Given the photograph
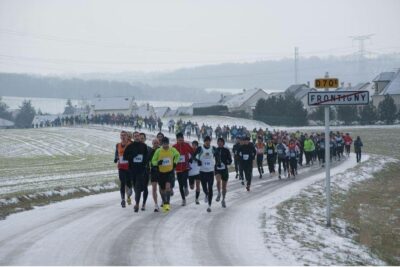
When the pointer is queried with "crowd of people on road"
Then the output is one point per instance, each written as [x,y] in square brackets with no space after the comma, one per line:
[197,166]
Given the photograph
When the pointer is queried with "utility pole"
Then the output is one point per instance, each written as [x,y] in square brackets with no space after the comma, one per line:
[296,65]
[361,52]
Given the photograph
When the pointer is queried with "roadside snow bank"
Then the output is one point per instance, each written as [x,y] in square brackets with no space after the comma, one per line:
[295,229]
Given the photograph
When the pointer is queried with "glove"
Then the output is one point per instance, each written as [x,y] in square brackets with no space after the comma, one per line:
[115,160]
[199,162]
[160,162]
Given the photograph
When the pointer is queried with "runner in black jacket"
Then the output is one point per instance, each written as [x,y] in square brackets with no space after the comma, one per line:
[223,158]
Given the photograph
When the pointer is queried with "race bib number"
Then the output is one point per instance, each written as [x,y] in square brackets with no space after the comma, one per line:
[339,145]
[292,154]
[166,162]
[138,159]
[322,145]
[246,156]
[270,151]
[222,167]
[181,159]
[207,162]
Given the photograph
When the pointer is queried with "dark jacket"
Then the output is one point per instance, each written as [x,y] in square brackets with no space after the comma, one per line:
[222,155]
[357,145]
[247,153]
[137,156]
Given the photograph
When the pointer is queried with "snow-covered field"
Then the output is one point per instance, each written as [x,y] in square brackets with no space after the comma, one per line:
[278,222]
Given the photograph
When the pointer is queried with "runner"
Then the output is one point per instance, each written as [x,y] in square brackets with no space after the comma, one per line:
[123,168]
[182,169]
[223,158]
[236,157]
[339,145]
[247,153]
[205,156]
[293,153]
[271,156]
[347,142]
[281,150]
[147,170]
[260,146]
[165,158]
[357,148]
[136,154]
[309,148]
[194,172]
[154,174]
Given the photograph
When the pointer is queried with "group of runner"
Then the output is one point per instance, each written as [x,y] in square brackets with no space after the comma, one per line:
[197,166]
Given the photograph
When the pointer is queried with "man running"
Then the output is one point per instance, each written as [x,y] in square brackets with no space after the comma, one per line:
[205,156]
[136,154]
[194,172]
[309,148]
[147,170]
[347,143]
[154,174]
[223,158]
[182,169]
[271,156]
[281,151]
[247,153]
[236,157]
[260,146]
[123,168]
[293,153]
[357,148]
[165,158]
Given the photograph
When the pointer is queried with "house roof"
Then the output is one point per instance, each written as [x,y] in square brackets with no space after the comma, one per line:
[357,87]
[299,90]
[161,111]
[393,88]
[239,99]
[385,76]
[112,103]
[6,123]
[143,111]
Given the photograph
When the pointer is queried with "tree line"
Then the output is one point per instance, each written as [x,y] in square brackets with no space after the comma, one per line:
[287,110]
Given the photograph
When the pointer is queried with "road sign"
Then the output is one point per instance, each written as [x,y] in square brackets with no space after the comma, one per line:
[327,83]
[338,98]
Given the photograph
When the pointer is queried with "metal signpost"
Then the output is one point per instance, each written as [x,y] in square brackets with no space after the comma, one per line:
[328,98]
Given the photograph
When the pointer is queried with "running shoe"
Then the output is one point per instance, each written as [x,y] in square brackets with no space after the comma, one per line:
[223,204]
[197,201]
[156,209]
[218,197]
[209,209]
[123,203]
[129,200]
[183,202]
[136,208]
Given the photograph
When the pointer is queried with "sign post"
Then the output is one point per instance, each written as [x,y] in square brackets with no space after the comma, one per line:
[328,98]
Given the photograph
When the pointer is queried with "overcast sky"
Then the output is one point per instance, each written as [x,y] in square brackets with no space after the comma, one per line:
[68,36]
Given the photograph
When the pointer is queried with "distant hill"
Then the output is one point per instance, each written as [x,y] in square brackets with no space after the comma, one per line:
[278,74]
[43,86]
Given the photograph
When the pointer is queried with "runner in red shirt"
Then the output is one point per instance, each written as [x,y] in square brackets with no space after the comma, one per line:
[182,168]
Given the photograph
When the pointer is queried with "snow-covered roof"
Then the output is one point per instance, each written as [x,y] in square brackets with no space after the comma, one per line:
[393,88]
[6,123]
[205,105]
[112,103]
[299,90]
[144,111]
[357,87]
[184,110]
[161,111]
[239,99]
[384,76]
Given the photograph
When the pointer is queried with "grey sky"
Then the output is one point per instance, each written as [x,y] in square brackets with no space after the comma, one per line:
[97,36]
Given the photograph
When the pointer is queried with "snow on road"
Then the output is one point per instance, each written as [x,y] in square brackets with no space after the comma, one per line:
[95,230]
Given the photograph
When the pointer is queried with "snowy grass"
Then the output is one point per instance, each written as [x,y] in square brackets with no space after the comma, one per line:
[38,166]
[297,226]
